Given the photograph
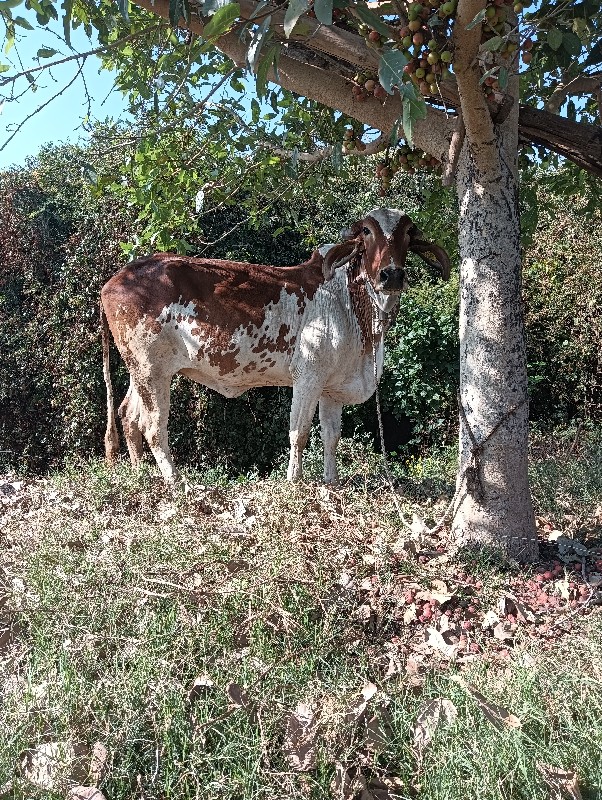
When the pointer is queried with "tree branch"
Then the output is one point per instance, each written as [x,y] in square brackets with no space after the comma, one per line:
[455,148]
[324,86]
[576,141]
[475,112]
[582,84]
[96,51]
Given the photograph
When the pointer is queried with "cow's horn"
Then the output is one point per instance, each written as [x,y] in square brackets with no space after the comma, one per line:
[433,255]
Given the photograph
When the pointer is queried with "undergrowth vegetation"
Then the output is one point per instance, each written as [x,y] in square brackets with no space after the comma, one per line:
[62,241]
[251,639]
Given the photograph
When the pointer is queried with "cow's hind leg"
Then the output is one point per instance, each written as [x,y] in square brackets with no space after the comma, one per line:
[305,400]
[330,430]
[130,412]
[154,397]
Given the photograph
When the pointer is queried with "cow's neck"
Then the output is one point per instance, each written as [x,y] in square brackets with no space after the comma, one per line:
[373,310]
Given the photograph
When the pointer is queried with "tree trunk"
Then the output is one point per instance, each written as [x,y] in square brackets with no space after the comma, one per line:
[494,504]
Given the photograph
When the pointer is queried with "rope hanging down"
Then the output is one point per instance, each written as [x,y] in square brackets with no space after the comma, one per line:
[470,472]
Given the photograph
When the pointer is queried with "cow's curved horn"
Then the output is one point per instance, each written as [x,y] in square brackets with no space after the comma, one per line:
[337,256]
[433,255]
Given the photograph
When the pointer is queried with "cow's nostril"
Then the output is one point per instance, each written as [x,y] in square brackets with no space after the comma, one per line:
[384,275]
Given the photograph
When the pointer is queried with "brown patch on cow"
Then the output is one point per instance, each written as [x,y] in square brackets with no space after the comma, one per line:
[227,295]
[363,310]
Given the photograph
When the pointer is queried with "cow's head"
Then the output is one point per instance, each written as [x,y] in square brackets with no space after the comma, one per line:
[380,243]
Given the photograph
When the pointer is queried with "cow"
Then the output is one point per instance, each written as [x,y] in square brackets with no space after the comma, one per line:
[318,327]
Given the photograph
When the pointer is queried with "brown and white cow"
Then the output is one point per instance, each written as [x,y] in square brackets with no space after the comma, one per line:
[232,326]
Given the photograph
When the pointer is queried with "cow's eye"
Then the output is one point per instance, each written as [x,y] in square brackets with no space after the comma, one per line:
[366,231]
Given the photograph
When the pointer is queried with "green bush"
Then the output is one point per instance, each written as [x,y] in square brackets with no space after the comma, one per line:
[61,242]
[421,375]
[563,298]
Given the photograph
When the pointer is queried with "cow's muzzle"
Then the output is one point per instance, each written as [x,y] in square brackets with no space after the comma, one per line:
[392,280]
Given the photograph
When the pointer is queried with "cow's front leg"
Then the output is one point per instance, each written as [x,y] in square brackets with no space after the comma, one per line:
[305,400]
[330,430]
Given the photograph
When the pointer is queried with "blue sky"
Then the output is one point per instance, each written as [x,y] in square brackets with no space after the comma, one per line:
[62,119]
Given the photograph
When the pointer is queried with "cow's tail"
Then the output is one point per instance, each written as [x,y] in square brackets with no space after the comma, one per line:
[111,436]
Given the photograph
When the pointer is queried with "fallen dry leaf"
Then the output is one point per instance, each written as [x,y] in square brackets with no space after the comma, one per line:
[439,592]
[490,620]
[51,764]
[427,721]
[562,783]
[509,604]
[378,730]
[499,717]
[504,631]
[85,793]
[238,697]
[300,739]
[347,782]
[409,615]
[437,641]
[356,711]
[200,687]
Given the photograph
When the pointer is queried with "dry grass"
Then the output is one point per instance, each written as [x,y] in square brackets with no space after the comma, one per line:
[182,632]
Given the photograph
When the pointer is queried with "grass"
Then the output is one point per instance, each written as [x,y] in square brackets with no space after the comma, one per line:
[115,597]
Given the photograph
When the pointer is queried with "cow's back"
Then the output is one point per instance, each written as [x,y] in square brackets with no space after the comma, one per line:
[229,325]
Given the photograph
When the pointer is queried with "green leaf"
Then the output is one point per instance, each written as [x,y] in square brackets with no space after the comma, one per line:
[270,58]
[4,68]
[571,43]
[10,41]
[337,156]
[323,10]
[255,111]
[221,21]
[413,108]
[492,44]
[370,18]
[554,38]
[46,52]
[6,4]
[390,69]
[258,37]
[488,74]
[23,23]
[295,9]
[479,18]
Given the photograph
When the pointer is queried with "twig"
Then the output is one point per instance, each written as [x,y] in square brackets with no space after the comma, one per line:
[42,106]
[76,56]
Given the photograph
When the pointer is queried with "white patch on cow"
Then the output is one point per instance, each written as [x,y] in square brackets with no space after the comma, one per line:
[177,310]
[182,318]
[325,248]
[387,218]
[284,312]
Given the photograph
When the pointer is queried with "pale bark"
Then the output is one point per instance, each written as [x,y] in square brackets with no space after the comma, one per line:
[494,505]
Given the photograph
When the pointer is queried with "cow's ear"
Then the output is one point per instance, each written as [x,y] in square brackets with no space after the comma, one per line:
[338,255]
